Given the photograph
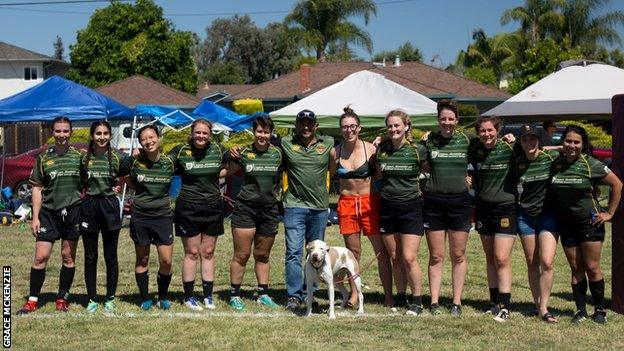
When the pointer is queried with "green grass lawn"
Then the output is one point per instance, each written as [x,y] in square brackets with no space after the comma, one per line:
[261,328]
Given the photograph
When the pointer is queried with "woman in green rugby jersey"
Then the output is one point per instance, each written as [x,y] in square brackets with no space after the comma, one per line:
[199,208]
[491,159]
[100,212]
[575,177]
[150,173]
[399,163]
[256,214]
[56,207]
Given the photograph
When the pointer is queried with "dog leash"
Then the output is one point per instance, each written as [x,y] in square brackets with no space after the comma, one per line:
[362,269]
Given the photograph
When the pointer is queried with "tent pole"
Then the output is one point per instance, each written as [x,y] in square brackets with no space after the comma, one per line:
[123,193]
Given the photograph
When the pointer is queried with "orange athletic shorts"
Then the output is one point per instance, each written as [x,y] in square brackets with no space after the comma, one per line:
[359,213]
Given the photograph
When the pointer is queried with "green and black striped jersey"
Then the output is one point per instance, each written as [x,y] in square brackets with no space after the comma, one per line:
[494,172]
[59,177]
[400,170]
[152,181]
[533,179]
[261,174]
[101,172]
[448,162]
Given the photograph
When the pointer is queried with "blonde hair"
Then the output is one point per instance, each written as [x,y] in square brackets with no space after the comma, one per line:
[406,120]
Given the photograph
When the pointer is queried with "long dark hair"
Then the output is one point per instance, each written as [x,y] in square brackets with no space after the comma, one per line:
[91,152]
[61,119]
[587,148]
[142,153]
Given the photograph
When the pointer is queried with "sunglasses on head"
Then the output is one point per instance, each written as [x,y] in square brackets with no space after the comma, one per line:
[305,114]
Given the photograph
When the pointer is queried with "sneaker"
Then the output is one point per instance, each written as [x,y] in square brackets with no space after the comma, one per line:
[92,306]
[579,317]
[193,304]
[61,305]
[147,305]
[237,303]
[209,303]
[414,310]
[267,301]
[599,316]
[493,310]
[456,310]
[502,316]
[29,306]
[163,304]
[435,310]
[292,304]
[109,305]
[398,304]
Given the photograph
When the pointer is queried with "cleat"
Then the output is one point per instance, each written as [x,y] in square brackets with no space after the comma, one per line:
[579,317]
[599,316]
[237,303]
[163,304]
[266,300]
[456,310]
[147,305]
[209,303]
[29,306]
[61,305]
[493,310]
[435,310]
[109,305]
[414,310]
[502,316]
[193,304]
[92,306]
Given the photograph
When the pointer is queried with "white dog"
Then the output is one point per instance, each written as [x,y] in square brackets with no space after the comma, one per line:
[331,264]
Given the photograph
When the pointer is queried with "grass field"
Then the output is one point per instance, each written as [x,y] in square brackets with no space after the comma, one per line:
[261,328]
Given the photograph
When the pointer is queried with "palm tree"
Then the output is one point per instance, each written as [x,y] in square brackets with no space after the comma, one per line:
[538,18]
[585,29]
[317,23]
[499,53]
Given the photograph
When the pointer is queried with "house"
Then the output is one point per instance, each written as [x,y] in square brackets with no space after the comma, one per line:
[218,92]
[21,69]
[432,82]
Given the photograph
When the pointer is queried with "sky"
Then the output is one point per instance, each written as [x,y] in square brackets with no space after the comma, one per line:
[440,28]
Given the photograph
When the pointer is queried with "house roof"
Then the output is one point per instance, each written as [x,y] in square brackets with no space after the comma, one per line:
[422,78]
[139,89]
[10,52]
[205,89]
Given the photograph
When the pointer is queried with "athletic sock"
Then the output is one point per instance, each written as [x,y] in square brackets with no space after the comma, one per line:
[37,277]
[504,299]
[235,290]
[142,280]
[597,292]
[163,281]
[263,289]
[579,291]
[188,289]
[66,279]
[207,287]
[416,300]
[494,295]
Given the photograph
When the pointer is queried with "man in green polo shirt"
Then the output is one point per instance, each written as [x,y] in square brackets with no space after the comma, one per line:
[307,160]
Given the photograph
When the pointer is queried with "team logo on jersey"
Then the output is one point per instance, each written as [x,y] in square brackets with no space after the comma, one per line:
[50,163]
[434,153]
[189,165]
[141,165]
[140,177]
[383,155]
[504,222]
[90,163]
[251,155]
[296,148]
[189,153]
[480,152]
[382,167]
[320,148]
[249,168]
[53,174]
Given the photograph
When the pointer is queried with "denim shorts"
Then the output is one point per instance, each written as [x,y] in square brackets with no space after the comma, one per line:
[530,225]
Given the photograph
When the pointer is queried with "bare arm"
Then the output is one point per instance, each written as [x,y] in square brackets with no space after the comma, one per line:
[37,198]
[231,168]
[616,193]
[332,162]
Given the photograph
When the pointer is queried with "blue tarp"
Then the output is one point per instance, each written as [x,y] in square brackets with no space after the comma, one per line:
[174,118]
[215,113]
[60,97]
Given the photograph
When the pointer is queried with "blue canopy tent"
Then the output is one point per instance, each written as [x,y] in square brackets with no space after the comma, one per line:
[215,113]
[174,118]
[55,97]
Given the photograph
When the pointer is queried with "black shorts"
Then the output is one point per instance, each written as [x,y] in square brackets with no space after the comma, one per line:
[59,224]
[495,218]
[100,214]
[574,231]
[149,230]
[265,218]
[447,212]
[401,217]
[194,218]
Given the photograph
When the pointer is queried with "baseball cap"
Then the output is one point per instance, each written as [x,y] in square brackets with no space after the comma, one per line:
[528,129]
[306,114]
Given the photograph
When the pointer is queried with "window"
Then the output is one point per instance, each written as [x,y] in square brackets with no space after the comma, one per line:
[30,73]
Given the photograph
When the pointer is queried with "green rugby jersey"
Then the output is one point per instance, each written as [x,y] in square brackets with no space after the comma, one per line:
[448,160]
[400,170]
[100,176]
[493,169]
[151,184]
[573,185]
[261,174]
[307,172]
[199,171]
[59,178]
[533,178]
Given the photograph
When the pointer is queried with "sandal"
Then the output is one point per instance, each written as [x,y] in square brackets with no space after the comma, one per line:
[549,318]
[351,305]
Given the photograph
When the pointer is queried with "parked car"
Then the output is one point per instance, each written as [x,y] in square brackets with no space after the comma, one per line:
[17,170]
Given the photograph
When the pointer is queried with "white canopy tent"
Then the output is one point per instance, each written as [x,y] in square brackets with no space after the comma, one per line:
[579,91]
[369,94]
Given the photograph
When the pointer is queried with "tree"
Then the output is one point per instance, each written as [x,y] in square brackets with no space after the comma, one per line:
[237,46]
[587,30]
[541,60]
[318,23]
[124,39]
[59,50]
[406,52]
[538,18]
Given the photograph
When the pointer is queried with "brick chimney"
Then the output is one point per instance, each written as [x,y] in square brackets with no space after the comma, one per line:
[304,78]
